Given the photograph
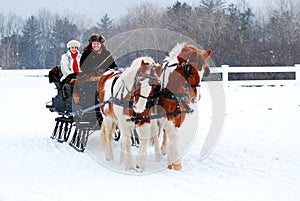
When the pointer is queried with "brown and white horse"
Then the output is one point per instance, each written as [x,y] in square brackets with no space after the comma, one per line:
[180,79]
[128,92]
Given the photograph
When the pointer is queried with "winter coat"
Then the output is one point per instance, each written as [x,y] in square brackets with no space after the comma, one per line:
[66,64]
[90,61]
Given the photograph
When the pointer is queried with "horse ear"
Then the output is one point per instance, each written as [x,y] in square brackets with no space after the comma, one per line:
[157,69]
[180,59]
[206,72]
[207,54]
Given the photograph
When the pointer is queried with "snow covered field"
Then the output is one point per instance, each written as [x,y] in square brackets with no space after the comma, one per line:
[257,158]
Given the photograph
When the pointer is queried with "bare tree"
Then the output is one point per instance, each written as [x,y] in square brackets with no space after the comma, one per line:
[2,25]
[46,20]
[10,29]
[283,31]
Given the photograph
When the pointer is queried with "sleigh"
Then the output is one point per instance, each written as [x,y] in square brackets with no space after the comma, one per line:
[75,121]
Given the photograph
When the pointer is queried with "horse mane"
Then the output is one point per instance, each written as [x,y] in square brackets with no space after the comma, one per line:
[130,72]
[172,58]
[135,65]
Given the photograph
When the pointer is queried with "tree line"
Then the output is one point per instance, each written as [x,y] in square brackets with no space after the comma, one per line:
[237,36]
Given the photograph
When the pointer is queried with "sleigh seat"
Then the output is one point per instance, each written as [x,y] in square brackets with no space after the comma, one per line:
[62,102]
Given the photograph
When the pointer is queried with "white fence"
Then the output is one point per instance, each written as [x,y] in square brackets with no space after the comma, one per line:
[225,70]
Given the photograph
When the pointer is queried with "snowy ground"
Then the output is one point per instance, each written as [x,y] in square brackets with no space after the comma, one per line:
[257,158]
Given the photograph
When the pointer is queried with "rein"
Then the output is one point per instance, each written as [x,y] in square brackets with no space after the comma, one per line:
[114,99]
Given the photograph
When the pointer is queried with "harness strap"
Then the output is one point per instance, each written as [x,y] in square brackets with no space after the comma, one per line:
[172,96]
[139,95]
[122,102]
[82,112]
[113,84]
[157,116]
[134,118]
[187,107]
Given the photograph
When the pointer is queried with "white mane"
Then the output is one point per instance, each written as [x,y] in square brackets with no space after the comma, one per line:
[172,58]
[129,76]
[130,72]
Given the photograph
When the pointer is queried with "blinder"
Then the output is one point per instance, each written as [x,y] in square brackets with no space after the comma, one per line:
[187,67]
[198,61]
[150,76]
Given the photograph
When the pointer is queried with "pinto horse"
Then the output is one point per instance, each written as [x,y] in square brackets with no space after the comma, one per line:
[127,93]
[180,80]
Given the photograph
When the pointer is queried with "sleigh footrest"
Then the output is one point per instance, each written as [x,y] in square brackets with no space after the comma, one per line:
[62,129]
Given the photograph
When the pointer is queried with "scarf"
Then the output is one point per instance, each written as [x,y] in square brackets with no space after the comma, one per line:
[75,63]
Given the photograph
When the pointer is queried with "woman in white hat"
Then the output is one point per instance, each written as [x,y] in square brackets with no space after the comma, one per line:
[70,61]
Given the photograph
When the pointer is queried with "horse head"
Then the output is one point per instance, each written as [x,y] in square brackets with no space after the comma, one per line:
[192,66]
[145,79]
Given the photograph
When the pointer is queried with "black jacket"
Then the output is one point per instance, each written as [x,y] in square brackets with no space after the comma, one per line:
[90,61]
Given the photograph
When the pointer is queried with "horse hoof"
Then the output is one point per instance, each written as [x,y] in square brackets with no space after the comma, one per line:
[109,157]
[177,166]
[140,169]
[129,168]
[140,166]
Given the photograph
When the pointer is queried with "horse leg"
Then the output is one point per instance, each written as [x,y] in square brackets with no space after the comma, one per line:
[155,128]
[142,155]
[144,136]
[156,148]
[173,153]
[106,138]
[126,149]
[163,147]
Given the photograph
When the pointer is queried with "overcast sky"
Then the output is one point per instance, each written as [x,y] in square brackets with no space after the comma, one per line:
[91,8]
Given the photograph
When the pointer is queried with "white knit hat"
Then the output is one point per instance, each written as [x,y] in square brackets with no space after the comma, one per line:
[73,43]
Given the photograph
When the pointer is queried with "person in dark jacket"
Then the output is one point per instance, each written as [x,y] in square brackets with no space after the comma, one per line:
[96,57]
[94,61]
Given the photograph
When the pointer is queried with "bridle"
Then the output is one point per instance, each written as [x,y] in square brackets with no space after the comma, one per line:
[187,68]
[141,76]
[132,93]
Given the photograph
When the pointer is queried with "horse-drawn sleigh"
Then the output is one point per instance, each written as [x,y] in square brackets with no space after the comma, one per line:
[141,101]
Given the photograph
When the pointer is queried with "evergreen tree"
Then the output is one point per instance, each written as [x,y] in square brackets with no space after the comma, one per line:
[63,31]
[106,25]
[179,7]
[212,5]
[29,48]
[178,17]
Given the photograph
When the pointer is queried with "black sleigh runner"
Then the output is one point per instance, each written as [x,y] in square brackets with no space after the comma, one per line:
[75,122]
